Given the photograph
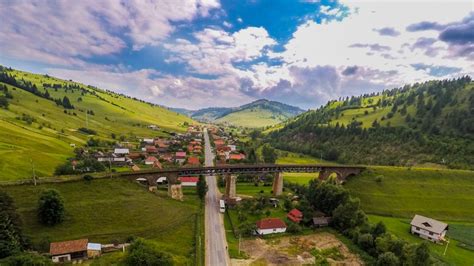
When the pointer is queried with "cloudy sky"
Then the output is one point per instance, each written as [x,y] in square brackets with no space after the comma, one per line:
[201,53]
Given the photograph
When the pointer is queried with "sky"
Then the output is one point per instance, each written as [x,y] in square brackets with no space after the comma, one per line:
[204,53]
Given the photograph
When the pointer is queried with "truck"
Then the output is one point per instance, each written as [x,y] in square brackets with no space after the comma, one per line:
[221,206]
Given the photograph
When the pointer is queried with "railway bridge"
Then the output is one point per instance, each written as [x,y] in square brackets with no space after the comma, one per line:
[231,171]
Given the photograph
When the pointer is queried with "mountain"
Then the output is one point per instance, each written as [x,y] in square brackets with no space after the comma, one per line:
[423,123]
[44,117]
[259,113]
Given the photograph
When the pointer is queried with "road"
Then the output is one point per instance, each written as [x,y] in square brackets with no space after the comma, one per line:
[216,244]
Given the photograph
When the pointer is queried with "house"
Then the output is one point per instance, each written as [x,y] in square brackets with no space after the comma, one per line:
[188,181]
[154,127]
[167,157]
[149,141]
[295,215]
[150,160]
[68,250]
[270,226]
[193,160]
[428,228]
[135,168]
[151,149]
[121,151]
[94,250]
[232,147]
[237,157]
[180,157]
[219,142]
[322,221]
[134,155]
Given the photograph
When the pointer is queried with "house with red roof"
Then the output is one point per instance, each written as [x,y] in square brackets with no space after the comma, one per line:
[68,250]
[150,160]
[270,226]
[188,181]
[295,215]
[151,149]
[237,157]
[194,161]
[180,157]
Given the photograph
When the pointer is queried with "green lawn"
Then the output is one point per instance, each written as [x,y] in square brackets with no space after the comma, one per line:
[437,193]
[295,158]
[113,209]
[455,255]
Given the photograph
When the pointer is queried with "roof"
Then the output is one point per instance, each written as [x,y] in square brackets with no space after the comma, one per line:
[151,159]
[428,224]
[58,248]
[135,168]
[94,246]
[236,156]
[321,220]
[180,154]
[270,223]
[295,213]
[120,150]
[193,160]
[189,179]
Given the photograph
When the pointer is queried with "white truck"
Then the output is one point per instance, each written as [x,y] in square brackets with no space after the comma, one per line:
[221,206]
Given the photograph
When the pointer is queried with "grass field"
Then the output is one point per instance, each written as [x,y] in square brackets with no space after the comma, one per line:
[107,210]
[45,142]
[446,195]
[437,193]
[295,158]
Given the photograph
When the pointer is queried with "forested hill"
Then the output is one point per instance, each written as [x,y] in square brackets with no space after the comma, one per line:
[427,123]
[42,118]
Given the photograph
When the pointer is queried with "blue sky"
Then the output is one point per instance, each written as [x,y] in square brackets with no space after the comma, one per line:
[201,53]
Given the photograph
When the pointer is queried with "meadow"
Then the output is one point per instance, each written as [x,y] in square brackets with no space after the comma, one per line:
[111,210]
[36,132]
[253,118]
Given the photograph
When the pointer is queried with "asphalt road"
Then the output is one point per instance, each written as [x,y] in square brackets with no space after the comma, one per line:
[216,244]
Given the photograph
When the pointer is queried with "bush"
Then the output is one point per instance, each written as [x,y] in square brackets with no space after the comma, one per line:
[144,253]
[388,259]
[26,259]
[87,131]
[379,178]
[294,228]
[50,207]
[88,178]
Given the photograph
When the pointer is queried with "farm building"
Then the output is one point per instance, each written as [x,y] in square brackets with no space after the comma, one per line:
[295,215]
[94,250]
[428,228]
[68,250]
[321,221]
[189,181]
[270,226]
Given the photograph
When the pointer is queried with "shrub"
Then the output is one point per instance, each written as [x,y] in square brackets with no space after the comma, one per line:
[50,207]
[142,252]
[294,228]
[88,178]
[388,259]
[379,178]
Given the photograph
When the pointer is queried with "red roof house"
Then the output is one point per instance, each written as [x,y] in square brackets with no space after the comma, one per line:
[237,157]
[193,160]
[151,149]
[270,225]
[151,160]
[68,250]
[188,181]
[295,215]
[180,155]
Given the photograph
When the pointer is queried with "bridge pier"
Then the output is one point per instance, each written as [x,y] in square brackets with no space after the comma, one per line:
[278,184]
[230,186]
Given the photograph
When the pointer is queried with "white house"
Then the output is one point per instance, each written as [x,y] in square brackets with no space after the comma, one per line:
[428,228]
[270,226]
[149,141]
[188,181]
[232,147]
[121,151]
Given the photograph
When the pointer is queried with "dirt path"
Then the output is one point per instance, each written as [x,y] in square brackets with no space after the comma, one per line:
[297,251]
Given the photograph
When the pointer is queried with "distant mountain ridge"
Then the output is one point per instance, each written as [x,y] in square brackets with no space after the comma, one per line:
[259,113]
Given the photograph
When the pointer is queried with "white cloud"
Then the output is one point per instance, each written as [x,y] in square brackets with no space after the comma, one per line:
[63,32]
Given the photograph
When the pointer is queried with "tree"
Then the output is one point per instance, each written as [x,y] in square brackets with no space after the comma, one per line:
[366,242]
[11,237]
[3,102]
[388,259]
[294,228]
[66,103]
[50,207]
[269,154]
[349,215]
[141,252]
[27,259]
[379,229]
[201,187]
[325,196]
[421,255]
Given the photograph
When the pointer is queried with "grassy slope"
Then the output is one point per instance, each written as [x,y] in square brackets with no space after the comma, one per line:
[442,194]
[254,117]
[447,195]
[106,210]
[48,147]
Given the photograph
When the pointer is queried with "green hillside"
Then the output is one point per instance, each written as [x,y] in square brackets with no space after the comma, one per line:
[260,113]
[427,123]
[37,126]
